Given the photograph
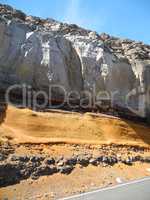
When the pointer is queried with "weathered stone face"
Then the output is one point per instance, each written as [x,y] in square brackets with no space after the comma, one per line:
[102,70]
[37,58]
[42,52]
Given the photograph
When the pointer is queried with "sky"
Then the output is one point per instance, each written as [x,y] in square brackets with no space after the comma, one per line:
[120,18]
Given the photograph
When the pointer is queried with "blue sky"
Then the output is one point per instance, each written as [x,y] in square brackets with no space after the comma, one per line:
[123,18]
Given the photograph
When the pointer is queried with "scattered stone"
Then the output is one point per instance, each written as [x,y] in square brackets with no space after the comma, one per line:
[82,160]
[100,158]
[60,163]
[65,169]
[2,157]
[93,161]
[34,176]
[36,158]
[105,159]
[72,160]
[49,161]
[127,161]
[137,158]
[14,158]
[45,170]
[146,159]
[19,158]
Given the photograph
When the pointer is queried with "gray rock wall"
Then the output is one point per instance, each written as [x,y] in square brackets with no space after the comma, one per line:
[37,58]
[42,52]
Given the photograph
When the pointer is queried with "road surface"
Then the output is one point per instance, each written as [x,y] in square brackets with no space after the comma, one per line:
[134,190]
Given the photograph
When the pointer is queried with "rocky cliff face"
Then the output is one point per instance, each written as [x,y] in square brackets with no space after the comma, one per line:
[42,52]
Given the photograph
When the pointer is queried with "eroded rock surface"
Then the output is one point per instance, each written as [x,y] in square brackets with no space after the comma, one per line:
[42,52]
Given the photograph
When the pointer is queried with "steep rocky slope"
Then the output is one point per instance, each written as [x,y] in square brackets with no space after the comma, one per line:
[42,52]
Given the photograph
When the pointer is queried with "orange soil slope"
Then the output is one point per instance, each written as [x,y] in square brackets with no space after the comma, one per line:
[27,126]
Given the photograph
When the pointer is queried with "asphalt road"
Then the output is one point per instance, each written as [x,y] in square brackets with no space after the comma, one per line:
[134,190]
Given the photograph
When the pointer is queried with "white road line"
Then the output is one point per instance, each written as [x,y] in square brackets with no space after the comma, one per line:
[108,189]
